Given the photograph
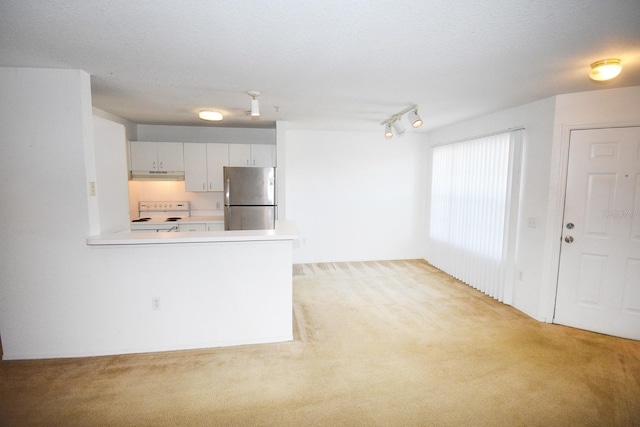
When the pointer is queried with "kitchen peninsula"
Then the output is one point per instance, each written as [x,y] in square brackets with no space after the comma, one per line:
[191,290]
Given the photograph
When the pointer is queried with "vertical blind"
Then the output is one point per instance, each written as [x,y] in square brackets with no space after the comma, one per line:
[470,211]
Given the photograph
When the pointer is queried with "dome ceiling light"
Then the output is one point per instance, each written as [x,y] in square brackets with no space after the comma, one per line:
[605,69]
[213,116]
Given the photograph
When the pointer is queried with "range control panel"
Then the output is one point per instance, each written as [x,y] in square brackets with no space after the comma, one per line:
[164,206]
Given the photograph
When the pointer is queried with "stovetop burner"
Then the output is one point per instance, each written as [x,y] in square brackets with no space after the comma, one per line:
[141,220]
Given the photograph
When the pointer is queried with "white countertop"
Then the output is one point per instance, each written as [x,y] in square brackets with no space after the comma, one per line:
[285,230]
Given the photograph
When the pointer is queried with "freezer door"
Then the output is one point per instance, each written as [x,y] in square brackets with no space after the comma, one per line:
[249,186]
[249,217]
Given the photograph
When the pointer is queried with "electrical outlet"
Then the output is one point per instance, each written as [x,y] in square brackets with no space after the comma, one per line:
[155,303]
[92,188]
[520,275]
[217,205]
[531,222]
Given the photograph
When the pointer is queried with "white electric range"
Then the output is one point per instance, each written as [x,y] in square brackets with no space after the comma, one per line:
[160,216]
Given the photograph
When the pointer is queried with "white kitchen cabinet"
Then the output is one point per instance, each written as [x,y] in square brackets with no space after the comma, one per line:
[217,159]
[254,155]
[263,155]
[201,226]
[215,226]
[156,156]
[195,167]
[239,155]
[203,165]
[192,226]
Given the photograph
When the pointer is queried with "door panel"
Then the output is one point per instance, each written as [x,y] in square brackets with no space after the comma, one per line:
[599,275]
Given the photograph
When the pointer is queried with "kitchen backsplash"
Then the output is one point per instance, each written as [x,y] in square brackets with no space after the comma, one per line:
[205,203]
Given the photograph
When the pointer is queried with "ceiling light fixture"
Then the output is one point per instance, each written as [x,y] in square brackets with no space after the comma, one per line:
[395,121]
[387,131]
[605,69]
[255,107]
[414,119]
[213,116]
[398,126]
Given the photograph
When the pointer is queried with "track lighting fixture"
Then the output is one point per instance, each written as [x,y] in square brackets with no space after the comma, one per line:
[395,121]
[255,107]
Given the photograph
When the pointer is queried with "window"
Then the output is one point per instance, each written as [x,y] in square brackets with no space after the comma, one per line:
[473,201]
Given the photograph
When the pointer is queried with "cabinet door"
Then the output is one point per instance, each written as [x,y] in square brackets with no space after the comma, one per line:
[217,158]
[195,167]
[239,155]
[263,155]
[144,156]
[215,226]
[170,156]
[193,226]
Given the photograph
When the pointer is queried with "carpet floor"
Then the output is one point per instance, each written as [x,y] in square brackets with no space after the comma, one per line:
[391,343]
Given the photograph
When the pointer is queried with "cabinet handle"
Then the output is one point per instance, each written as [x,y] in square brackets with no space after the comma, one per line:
[161,167]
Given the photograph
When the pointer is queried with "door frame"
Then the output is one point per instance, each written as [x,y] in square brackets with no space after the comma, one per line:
[556,209]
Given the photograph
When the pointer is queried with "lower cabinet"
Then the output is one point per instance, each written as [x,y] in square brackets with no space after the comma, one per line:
[201,226]
[192,226]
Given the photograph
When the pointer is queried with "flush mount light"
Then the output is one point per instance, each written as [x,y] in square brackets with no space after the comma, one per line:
[255,107]
[605,69]
[414,119]
[213,116]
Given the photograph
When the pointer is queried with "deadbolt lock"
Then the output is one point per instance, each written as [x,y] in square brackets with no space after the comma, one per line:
[570,225]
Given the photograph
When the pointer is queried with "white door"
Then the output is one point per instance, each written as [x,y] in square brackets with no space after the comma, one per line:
[599,275]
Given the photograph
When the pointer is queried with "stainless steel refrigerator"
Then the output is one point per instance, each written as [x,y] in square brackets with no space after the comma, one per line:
[249,198]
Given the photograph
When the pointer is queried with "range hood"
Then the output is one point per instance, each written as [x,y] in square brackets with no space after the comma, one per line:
[157,175]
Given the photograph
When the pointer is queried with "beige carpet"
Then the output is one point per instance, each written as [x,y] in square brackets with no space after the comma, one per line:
[377,344]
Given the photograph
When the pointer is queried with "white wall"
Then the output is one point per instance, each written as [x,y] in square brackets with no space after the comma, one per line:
[62,298]
[159,133]
[547,123]
[45,117]
[111,188]
[355,195]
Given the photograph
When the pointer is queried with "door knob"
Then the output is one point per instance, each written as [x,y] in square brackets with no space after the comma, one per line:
[568,239]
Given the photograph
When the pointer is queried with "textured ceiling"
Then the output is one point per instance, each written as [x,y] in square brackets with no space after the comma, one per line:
[324,64]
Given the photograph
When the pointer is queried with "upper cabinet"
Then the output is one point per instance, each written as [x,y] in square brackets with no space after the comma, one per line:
[203,165]
[253,155]
[157,157]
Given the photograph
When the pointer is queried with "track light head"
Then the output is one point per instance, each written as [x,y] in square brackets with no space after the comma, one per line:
[387,131]
[414,118]
[398,126]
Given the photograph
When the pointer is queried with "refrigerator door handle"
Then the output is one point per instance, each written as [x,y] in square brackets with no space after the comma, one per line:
[226,204]
[226,192]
